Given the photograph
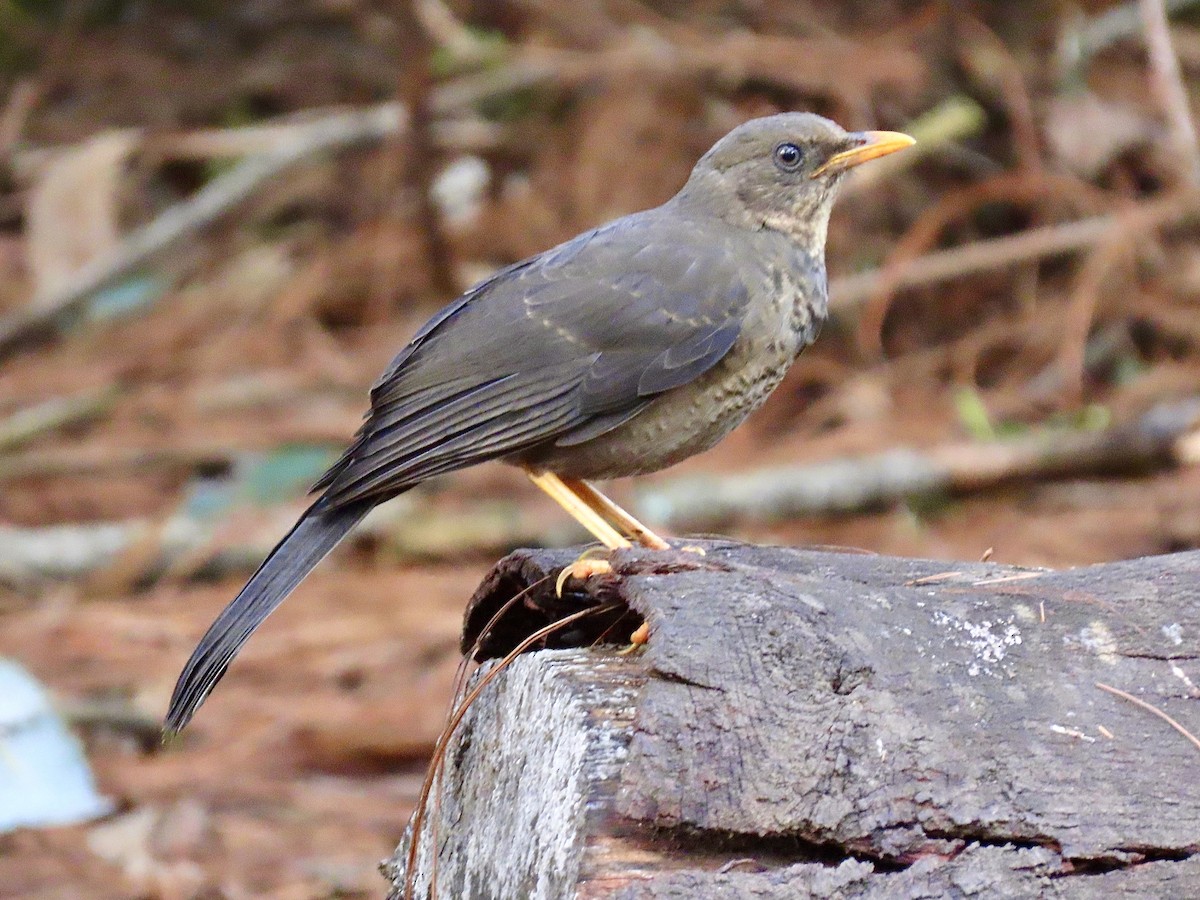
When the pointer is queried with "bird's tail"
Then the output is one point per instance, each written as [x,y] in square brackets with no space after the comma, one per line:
[310,540]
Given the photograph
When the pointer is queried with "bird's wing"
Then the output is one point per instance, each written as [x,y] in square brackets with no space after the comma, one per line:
[564,345]
[559,348]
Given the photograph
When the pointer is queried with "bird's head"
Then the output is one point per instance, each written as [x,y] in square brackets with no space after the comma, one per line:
[782,172]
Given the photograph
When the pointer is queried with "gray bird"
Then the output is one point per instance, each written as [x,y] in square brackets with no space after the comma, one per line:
[620,352]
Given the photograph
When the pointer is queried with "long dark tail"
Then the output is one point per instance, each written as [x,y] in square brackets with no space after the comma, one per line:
[309,541]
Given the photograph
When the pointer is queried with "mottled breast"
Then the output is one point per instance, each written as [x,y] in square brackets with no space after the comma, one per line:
[788,311]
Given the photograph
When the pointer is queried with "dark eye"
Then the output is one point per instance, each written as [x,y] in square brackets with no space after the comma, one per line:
[788,157]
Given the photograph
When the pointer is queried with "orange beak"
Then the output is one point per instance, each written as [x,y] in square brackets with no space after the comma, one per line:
[874,145]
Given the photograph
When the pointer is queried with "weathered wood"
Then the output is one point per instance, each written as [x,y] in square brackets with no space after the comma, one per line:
[815,724]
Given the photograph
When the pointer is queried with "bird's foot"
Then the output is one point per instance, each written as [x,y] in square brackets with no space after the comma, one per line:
[692,548]
[637,640]
[585,567]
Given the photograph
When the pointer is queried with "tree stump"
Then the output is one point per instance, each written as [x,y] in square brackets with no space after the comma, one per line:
[828,724]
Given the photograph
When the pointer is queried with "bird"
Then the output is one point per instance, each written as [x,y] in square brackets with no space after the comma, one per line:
[622,351]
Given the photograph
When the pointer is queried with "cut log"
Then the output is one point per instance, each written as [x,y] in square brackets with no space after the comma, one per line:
[828,724]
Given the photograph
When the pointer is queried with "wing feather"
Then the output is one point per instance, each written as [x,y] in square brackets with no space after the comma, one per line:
[560,348]
[492,421]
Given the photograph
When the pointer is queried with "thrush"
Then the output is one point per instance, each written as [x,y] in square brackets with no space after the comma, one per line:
[620,352]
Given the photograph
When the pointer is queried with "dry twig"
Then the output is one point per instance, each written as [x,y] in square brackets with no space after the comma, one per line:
[1149,707]
[1168,85]
[58,412]
[849,292]
[1010,187]
[1081,311]
[214,200]
[990,61]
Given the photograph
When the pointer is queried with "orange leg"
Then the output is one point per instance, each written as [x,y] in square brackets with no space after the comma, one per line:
[610,512]
[597,514]
[583,513]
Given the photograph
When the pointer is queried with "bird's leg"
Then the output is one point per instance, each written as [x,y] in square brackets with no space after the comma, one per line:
[597,513]
[583,513]
[586,566]
[611,512]
[607,508]
[639,639]
[620,517]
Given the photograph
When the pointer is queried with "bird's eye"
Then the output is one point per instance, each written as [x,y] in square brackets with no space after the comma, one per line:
[788,157]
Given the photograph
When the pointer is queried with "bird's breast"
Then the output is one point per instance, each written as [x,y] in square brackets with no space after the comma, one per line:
[692,418]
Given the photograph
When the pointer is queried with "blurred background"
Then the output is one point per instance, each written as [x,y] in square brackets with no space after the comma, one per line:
[218,221]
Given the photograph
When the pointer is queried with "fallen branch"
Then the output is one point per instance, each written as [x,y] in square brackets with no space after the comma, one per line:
[806,724]
[416,528]
[55,462]
[26,424]
[29,556]
[408,529]
[1162,438]
[1168,84]
[119,715]
[849,292]
[210,203]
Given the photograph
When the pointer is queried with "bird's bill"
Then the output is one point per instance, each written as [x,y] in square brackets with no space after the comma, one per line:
[874,144]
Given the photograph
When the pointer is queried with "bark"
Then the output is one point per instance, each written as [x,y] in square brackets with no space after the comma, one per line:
[814,724]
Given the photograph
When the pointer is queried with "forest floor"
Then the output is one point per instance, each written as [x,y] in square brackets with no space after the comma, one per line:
[242,358]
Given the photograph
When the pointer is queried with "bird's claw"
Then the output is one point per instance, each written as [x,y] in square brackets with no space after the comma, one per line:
[581,570]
